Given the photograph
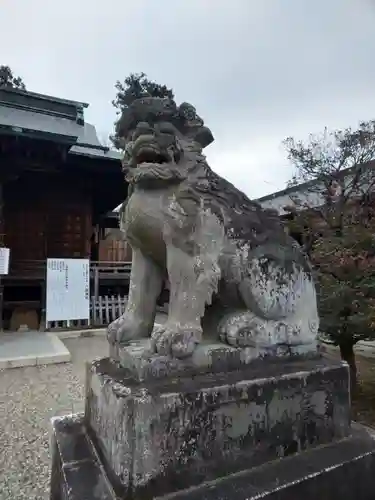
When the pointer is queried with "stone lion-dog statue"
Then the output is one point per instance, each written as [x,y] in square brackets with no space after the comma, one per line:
[234,273]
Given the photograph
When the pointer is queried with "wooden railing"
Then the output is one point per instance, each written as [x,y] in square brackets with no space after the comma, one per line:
[110,268]
[36,269]
[27,268]
[108,271]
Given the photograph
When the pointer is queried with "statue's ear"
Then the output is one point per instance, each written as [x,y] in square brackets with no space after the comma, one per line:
[127,158]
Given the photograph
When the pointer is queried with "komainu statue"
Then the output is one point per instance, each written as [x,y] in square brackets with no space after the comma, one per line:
[234,273]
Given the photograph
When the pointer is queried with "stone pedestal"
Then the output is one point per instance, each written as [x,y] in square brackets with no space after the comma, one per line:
[271,429]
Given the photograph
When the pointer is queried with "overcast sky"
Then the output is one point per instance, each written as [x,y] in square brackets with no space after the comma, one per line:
[257,70]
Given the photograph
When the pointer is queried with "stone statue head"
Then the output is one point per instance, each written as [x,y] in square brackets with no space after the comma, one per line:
[157,135]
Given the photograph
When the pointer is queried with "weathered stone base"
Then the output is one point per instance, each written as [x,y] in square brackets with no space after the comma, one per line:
[344,469]
[164,434]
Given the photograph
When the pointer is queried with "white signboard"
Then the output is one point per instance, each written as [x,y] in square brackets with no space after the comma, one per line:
[4,260]
[68,289]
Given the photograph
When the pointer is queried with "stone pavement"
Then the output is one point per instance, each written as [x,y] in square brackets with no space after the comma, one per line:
[365,348]
[31,348]
[94,332]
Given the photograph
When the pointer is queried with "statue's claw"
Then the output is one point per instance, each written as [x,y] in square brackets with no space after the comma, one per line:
[176,340]
[113,329]
[127,328]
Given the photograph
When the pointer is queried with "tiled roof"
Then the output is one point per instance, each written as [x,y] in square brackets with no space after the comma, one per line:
[32,113]
[92,146]
[15,118]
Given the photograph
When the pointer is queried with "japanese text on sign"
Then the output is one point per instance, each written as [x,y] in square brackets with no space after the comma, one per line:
[68,289]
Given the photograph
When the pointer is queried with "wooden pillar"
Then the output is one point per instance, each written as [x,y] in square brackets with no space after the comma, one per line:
[2,244]
[96,282]
[43,308]
[94,243]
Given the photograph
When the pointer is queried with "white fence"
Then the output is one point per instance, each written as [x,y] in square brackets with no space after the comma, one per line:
[103,311]
[106,309]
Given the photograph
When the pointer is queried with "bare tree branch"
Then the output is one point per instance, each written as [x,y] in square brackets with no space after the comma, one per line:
[333,211]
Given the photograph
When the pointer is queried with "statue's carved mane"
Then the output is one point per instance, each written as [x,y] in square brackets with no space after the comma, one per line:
[153,109]
[243,218]
[223,198]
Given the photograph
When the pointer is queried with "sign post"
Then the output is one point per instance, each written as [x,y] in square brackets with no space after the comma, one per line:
[4,269]
[4,260]
[68,290]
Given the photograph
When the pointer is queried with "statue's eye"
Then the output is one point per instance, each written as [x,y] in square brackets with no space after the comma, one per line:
[143,128]
[166,128]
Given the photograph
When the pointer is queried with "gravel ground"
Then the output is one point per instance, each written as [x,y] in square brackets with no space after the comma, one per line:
[29,397]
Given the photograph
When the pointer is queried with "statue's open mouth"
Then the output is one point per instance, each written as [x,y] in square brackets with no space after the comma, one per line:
[149,154]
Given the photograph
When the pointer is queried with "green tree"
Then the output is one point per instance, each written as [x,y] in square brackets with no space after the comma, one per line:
[334,215]
[135,86]
[7,79]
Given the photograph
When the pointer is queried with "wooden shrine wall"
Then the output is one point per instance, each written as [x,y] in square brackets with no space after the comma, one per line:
[114,248]
[47,216]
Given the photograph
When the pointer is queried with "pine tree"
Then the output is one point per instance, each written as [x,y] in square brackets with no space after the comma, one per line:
[134,87]
[7,79]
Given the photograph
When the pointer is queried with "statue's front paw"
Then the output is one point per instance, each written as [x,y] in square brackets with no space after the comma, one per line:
[242,329]
[112,330]
[176,340]
[245,329]
[127,328]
